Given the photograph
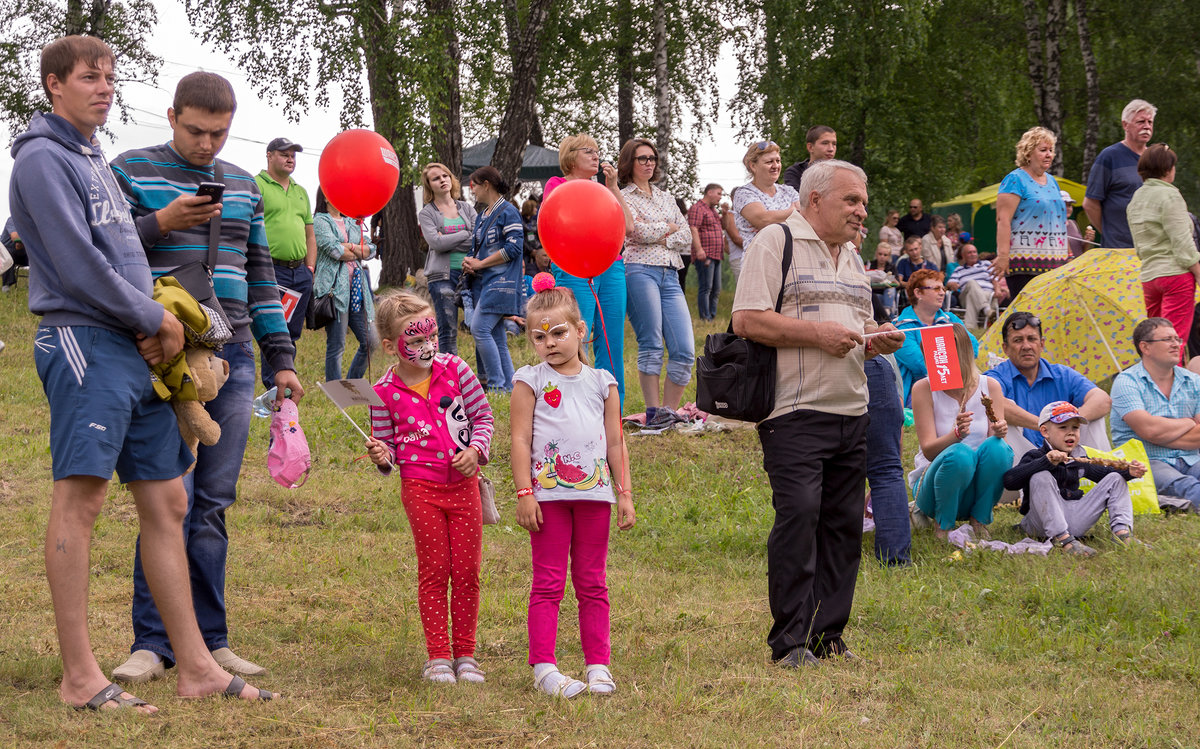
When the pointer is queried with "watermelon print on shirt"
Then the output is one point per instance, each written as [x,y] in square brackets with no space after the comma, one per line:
[569,449]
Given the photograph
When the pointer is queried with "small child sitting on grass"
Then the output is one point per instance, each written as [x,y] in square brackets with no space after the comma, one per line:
[1053,505]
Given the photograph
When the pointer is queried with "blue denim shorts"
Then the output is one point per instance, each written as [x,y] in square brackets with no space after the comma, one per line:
[104,413]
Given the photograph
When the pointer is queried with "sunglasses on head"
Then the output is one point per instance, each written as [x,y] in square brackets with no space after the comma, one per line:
[1021,320]
[763,145]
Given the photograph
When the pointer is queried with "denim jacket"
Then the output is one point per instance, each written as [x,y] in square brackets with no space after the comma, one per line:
[498,289]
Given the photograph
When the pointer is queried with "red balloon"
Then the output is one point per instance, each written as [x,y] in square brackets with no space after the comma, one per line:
[358,172]
[582,227]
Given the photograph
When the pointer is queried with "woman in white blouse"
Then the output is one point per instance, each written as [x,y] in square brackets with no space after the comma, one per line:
[657,308]
[761,202]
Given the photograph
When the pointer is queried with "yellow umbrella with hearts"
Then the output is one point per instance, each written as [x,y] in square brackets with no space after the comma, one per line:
[1088,309]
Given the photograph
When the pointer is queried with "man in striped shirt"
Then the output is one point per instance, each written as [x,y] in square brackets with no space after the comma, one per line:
[173,223]
[973,282]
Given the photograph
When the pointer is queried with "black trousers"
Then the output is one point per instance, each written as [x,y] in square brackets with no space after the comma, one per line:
[817,466]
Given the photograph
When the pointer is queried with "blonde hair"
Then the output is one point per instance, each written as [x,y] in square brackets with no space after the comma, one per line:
[393,307]
[567,149]
[556,299]
[1033,137]
[427,188]
[754,153]
[966,358]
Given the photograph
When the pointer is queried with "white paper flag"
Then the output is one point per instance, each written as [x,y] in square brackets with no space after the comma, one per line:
[347,393]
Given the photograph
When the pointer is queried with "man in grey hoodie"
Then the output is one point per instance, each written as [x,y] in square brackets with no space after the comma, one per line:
[90,283]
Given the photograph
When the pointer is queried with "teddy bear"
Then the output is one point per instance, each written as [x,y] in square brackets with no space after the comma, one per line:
[208,372]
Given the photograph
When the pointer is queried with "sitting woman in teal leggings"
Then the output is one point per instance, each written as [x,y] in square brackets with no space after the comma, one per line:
[960,469]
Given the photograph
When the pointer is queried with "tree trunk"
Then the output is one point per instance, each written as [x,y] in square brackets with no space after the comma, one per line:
[1034,50]
[91,22]
[517,121]
[662,90]
[446,107]
[536,136]
[1055,19]
[625,81]
[1091,78]
[399,246]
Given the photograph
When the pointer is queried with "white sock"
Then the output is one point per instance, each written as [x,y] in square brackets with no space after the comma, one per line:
[157,658]
[541,668]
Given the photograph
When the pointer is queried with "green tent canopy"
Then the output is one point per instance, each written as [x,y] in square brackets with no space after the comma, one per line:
[978,211]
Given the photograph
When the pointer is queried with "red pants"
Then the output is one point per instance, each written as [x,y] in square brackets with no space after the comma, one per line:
[1172,297]
[447,528]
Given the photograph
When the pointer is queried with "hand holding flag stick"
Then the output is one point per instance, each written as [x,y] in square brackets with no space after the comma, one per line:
[346,393]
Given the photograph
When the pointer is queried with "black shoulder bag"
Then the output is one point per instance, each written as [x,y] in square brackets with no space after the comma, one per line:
[196,277]
[735,377]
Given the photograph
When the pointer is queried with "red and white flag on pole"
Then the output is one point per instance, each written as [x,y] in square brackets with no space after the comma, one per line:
[941,357]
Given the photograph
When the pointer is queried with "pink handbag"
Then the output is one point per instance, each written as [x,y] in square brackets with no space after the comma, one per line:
[288,459]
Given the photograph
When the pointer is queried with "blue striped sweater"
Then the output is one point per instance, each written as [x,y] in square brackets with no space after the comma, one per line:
[244,278]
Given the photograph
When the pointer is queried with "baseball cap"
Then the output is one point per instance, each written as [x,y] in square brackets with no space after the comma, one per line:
[1066,196]
[283,144]
[1059,412]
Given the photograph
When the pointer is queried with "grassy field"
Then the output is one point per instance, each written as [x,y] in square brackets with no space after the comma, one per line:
[982,650]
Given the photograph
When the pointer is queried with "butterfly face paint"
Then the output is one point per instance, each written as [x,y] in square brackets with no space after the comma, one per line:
[418,343]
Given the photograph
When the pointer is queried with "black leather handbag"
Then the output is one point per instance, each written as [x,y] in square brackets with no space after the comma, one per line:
[321,311]
[735,377]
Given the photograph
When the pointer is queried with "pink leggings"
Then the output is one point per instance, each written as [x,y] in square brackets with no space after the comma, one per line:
[447,528]
[1172,297]
[578,529]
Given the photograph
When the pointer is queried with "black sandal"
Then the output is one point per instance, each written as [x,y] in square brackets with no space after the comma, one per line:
[111,693]
[1073,546]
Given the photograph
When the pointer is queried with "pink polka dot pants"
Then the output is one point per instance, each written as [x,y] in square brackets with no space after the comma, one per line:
[447,528]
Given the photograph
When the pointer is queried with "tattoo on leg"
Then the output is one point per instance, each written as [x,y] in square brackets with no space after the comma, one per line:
[61,545]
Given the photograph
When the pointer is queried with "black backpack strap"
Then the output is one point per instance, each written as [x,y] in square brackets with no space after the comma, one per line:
[214,224]
[787,263]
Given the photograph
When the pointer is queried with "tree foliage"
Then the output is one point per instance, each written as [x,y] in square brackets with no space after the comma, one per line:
[31,24]
[931,98]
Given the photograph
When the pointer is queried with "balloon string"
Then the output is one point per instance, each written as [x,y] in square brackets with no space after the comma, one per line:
[625,468]
[362,249]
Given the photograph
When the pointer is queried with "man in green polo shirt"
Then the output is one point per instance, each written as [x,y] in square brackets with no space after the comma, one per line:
[287,215]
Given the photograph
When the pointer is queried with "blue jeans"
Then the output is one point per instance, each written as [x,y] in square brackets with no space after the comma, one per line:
[962,483]
[299,280]
[491,349]
[608,316]
[1177,479]
[468,299]
[211,489]
[445,311]
[708,277]
[885,468]
[335,344]
[658,310]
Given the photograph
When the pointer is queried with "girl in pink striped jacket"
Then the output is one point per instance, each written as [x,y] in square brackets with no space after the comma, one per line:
[435,427]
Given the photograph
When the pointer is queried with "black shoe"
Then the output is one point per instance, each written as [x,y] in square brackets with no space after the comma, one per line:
[797,658]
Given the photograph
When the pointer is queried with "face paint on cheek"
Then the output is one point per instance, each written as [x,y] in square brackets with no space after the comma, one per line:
[421,350]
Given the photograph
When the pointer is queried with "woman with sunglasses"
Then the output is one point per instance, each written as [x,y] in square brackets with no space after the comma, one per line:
[1162,233]
[761,202]
[926,294]
[958,473]
[579,158]
[657,308]
[1031,218]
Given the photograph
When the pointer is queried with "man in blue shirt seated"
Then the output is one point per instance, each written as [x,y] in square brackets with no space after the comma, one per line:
[1158,402]
[1030,382]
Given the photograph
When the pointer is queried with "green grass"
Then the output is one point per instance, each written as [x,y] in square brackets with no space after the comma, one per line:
[983,650]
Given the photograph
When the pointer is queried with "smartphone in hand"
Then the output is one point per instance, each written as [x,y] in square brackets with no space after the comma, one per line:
[214,190]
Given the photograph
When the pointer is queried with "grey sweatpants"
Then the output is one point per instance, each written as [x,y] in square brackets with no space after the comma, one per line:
[1050,515]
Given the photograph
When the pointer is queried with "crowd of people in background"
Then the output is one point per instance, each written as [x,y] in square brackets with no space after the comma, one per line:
[848,334]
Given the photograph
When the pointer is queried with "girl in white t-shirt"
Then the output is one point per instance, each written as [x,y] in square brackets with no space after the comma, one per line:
[570,466]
